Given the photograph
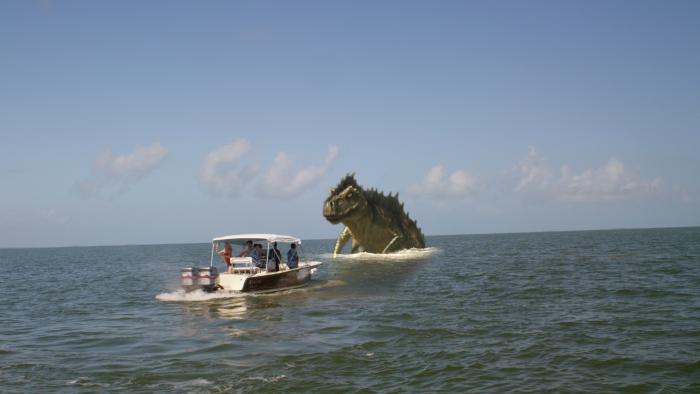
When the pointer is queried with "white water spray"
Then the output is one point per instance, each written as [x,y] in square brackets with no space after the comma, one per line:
[197,295]
[400,256]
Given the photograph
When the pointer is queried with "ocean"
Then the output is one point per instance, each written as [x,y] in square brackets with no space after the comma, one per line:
[590,311]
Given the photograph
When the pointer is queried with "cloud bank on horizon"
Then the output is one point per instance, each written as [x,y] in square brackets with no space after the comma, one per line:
[228,170]
[612,181]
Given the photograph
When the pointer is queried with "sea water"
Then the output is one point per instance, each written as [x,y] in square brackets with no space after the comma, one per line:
[593,311]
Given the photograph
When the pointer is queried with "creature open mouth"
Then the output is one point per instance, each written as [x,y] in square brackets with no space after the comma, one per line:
[335,217]
[332,218]
[329,214]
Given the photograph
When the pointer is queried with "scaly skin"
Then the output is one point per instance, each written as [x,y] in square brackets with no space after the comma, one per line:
[374,222]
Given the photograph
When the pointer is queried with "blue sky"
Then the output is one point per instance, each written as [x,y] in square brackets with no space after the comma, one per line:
[150,122]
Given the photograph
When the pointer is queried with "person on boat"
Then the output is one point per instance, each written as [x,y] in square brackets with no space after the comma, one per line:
[292,257]
[226,255]
[255,255]
[248,249]
[273,263]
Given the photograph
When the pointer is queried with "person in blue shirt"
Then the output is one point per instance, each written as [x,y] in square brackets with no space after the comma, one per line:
[255,255]
[292,257]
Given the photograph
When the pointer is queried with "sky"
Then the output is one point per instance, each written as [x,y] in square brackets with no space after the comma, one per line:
[172,121]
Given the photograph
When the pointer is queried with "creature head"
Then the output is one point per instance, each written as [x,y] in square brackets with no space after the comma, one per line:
[345,201]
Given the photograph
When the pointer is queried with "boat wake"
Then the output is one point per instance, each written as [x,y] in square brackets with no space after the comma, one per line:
[402,255]
[197,295]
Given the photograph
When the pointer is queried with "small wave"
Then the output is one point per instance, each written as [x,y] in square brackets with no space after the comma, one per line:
[329,284]
[201,382]
[85,382]
[270,379]
[402,255]
[197,295]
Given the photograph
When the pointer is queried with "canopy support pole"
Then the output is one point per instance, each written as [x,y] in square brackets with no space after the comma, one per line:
[211,260]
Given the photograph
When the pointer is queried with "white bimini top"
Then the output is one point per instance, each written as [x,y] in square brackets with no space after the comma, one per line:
[268,237]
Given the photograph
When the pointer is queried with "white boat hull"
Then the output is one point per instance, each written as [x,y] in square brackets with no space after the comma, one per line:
[267,281]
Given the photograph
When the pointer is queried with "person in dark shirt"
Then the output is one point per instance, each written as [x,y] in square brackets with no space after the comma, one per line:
[292,257]
[273,262]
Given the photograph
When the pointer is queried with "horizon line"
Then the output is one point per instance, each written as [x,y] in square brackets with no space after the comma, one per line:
[324,239]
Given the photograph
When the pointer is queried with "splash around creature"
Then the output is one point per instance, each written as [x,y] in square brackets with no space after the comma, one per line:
[372,221]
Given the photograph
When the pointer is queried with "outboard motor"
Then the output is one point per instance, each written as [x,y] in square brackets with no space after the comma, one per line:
[206,278]
[188,278]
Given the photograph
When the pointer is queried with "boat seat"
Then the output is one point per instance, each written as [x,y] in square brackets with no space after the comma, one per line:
[241,261]
[243,265]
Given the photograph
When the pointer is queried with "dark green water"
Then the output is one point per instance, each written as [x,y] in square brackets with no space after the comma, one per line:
[598,311]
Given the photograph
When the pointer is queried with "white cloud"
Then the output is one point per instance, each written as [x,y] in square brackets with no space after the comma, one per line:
[534,173]
[54,216]
[612,181]
[438,184]
[135,165]
[681,194]
[220,173]
[121,171]
[282,182]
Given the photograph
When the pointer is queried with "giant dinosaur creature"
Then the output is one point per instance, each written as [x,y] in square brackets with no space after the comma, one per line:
[375,223]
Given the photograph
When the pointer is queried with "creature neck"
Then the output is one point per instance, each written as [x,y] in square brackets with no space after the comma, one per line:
[357,224]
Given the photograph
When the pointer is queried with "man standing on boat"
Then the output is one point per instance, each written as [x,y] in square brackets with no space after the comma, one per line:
[292,257]
[273,262]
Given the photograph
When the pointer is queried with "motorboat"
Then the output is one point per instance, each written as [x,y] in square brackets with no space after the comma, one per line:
[255,272]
